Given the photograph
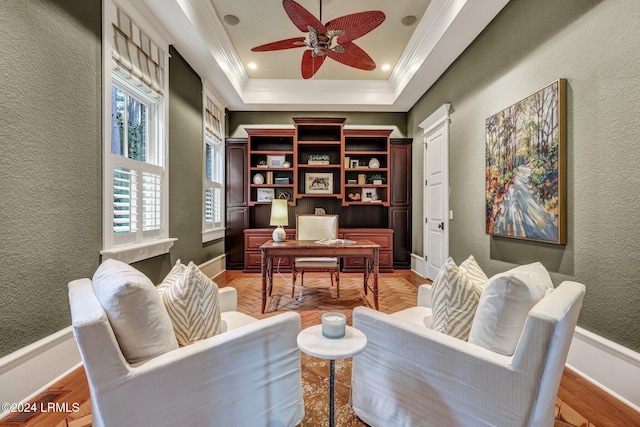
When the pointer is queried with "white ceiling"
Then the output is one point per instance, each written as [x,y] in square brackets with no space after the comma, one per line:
[417,54]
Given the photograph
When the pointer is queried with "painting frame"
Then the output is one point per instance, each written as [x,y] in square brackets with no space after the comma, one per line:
[265,194]
[318,183]
[369,194]
[525,168]
[275,161]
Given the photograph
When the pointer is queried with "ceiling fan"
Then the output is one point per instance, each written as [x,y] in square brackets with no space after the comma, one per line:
[335,39]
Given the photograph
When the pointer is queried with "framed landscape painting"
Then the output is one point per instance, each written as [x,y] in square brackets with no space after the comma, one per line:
[526,167]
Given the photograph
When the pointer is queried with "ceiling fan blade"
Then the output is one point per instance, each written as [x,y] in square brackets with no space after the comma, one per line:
[353,56]
[301,17]
[310,64]
[280,45]
[356,25]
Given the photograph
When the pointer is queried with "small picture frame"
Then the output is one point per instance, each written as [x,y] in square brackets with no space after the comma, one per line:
[354,163]
[318,183]
[275,161]
[369,194]
[266,194]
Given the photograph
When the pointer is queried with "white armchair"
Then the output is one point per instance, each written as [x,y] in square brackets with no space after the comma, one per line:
[247,376]
[410,375]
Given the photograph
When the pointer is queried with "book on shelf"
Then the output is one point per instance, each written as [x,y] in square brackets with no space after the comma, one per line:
[318,162]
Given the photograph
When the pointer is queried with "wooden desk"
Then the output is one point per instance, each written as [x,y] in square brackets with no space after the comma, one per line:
[365,249]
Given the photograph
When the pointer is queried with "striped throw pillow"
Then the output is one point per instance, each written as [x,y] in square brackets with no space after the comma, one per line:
[193,306]
[171,277]
[471,268]
[455,300]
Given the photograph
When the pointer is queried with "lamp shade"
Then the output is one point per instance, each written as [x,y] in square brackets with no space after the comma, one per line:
[279,212]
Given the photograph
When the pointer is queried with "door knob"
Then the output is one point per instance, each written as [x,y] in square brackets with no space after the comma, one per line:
[441,226]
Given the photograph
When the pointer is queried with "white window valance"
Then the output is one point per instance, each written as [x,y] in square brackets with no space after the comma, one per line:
[136,55]
[213,119]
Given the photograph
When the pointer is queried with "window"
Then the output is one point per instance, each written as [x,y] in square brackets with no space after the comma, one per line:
[135,179]
[213,198]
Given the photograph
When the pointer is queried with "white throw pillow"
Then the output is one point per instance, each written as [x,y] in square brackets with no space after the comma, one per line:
[135,311]
[471,268]
[455,299]
[505,304]
[193,306]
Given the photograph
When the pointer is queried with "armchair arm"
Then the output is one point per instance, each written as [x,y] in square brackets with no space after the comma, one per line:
[215,381]
[408,373]
[424,295]
[228,298]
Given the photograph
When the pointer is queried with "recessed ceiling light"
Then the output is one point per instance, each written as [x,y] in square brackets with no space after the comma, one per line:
[231,19]
[408,20]
[386,67]
[252,65]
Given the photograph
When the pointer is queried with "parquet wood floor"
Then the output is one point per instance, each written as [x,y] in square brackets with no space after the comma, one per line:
[579,403]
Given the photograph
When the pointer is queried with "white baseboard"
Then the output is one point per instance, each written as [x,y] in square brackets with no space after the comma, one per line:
[214,266]
[419,265]
[28,371]
[608,365]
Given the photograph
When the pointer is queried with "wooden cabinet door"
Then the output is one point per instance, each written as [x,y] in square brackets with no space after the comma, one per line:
[237,222]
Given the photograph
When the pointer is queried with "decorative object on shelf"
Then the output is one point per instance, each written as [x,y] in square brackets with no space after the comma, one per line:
[318,183]
[279,218]
[281,180]
[369,194]
[526,176]
[334,325]
[374,163]
[258,179]
[354,163]
[286,164]
[266,194]
[284,195]
[376,179]
[275,161]
[262,164]
[362,178]
[354,197]
[269,177]
[320,211]
[352,181]
[346,162]
[318,159]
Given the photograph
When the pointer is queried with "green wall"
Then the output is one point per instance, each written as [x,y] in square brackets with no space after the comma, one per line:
[594,45]
[50,162]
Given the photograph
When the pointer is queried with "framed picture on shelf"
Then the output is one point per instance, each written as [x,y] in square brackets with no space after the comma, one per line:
[354,163]
[275,161]
[266,194]
[369,194]
[318,183]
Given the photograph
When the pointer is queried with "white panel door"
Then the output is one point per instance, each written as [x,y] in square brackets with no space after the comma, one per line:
[436,192]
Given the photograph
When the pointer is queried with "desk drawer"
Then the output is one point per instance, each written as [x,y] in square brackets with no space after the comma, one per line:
[353,265]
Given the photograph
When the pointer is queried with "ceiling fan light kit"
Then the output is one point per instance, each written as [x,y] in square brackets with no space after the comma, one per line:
[333,40]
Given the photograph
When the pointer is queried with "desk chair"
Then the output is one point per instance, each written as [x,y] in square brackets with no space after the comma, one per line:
[316,227]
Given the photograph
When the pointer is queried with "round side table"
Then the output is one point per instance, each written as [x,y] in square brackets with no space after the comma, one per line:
[312,342]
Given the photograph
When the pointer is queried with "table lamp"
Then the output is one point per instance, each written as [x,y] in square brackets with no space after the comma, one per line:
[279,217]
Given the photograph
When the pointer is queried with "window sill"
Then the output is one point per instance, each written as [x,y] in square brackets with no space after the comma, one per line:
[210,235]
[139,251]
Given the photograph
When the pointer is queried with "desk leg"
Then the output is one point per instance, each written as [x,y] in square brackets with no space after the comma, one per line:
[264,280]
[376,270]
[365,274]
[332,374]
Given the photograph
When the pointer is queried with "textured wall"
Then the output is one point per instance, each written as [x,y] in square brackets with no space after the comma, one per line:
[50,162]
[594,45]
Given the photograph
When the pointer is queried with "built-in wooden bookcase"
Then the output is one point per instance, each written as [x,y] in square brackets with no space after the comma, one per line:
[366,167]
[271,155]
[318,153]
